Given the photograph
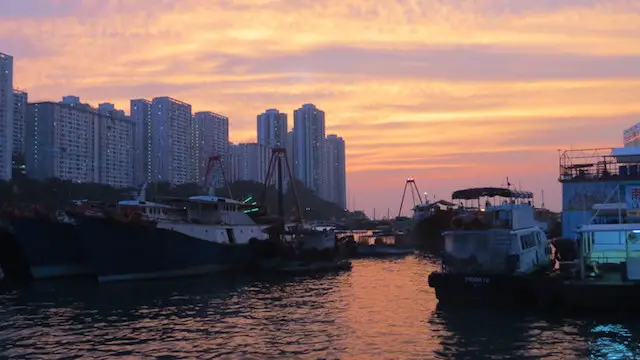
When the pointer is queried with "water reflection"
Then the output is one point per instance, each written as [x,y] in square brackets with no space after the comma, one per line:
[381,309]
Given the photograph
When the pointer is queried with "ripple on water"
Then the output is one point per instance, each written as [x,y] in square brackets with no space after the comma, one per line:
[382,309]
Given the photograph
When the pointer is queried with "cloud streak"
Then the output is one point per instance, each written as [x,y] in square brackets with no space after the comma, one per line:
[452,93]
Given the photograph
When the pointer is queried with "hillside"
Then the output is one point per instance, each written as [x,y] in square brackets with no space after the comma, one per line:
[53,193]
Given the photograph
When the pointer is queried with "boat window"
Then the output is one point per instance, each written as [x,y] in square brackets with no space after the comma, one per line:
[527,241]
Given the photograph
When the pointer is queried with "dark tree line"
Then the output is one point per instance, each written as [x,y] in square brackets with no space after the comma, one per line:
[55,193]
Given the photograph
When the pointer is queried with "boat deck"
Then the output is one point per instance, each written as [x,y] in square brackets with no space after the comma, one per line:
[606,278]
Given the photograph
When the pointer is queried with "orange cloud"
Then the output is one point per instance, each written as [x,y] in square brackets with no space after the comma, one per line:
[453,93]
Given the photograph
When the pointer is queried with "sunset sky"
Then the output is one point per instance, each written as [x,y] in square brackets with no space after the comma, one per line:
[454,93]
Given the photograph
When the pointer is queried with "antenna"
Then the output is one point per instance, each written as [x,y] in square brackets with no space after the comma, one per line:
[542,205]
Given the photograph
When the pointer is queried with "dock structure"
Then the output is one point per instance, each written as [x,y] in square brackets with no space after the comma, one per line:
[589,176]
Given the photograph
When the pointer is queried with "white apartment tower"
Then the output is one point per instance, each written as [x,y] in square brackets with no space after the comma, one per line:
[140,115]
[116,148]
[250,162]
[272,129]
[20,101]
[79,143]
[290,145]
[336,170]
[170,138]
[6,116]
[308,149]
[212,137]
[272,133]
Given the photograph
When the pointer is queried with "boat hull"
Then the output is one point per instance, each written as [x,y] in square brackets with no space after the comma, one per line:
[381,251]
[130,251]
[484,288]
[51,249]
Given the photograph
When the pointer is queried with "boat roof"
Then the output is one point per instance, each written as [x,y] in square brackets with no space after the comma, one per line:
[476,193]
[210,199]
[609,227]
[439,202]
[143,203]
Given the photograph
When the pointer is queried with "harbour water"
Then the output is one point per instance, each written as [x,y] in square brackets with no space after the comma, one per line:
[382,309]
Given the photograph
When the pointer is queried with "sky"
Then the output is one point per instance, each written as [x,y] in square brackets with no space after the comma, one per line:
[455,94]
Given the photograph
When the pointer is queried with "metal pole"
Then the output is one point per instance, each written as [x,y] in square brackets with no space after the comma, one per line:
[402,201]
[280,188]
[581,237]
[619,209]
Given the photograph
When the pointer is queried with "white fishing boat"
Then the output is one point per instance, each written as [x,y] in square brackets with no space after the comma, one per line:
[489,252]
[175,237]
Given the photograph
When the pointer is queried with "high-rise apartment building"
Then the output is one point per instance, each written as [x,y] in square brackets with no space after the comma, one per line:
[6,116]
[140,115]
[80,144]
[250,162]
[110,109]
[197,160]
[272,129]
[290,146]
[336,170]
[212,137]
[20,101]
[116,149]
[309,143]
[272,133]
[170,140]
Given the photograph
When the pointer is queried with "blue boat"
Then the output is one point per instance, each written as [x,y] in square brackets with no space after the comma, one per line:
[51,246]
[182,237]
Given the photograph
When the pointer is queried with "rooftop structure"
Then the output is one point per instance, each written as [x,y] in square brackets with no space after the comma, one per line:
[602,164]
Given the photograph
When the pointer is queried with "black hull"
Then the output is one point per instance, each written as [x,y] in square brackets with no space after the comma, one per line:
[12,260]
[483,288]
[51,248]
[130,251]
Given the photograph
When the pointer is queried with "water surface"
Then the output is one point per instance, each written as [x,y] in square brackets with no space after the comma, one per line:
[382,309]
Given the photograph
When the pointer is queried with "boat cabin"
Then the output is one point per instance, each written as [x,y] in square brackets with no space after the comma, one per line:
[152,210]
[501,238]
[427,209]
[208,209]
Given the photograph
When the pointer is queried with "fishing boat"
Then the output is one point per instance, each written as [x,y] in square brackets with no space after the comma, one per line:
[49,242]
[493,253]
[176,237]
[381,243]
